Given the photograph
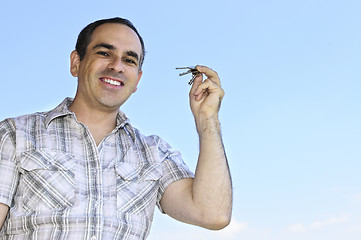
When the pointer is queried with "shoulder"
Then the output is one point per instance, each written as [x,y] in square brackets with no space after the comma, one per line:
[153,140]
[7,129]
[25,120]
[10,126]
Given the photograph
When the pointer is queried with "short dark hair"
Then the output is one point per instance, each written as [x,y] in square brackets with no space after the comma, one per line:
[86,34]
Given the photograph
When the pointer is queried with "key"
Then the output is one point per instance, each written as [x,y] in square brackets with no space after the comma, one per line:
[193,70]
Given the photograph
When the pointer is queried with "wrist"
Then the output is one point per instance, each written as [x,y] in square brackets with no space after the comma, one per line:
[207,124]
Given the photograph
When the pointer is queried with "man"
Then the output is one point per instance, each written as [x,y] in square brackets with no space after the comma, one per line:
[81,171]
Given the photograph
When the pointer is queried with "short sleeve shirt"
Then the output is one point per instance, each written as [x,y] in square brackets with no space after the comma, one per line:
[60,185]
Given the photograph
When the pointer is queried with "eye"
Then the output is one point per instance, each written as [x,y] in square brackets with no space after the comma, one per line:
[102,53]
[131,61]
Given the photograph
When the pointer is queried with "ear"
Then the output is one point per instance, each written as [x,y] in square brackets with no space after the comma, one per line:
[139,76]
[74,63]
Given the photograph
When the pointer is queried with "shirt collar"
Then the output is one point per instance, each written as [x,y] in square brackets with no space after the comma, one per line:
[63,109]
[124,123]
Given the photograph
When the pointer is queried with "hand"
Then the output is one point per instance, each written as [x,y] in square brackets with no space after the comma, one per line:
[206,96]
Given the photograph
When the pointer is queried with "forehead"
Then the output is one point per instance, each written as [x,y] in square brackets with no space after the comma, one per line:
[116,34]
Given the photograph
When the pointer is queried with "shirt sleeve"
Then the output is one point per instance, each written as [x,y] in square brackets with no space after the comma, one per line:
[173,167]
[8,167]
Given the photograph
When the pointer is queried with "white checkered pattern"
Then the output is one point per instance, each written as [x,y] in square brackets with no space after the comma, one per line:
[60,185]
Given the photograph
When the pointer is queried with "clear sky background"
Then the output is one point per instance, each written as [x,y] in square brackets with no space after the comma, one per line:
[290,117]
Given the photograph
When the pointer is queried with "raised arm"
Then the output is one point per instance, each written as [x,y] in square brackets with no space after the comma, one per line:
[205,200]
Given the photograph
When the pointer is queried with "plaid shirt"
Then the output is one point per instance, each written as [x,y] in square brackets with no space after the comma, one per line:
[60,185]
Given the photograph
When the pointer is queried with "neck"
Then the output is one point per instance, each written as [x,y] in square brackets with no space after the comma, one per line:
[99,122]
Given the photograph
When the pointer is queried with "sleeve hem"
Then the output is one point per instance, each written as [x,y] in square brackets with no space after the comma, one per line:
[166,184]
[5,201]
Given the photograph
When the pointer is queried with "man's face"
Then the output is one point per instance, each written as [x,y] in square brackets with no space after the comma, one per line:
[109,73]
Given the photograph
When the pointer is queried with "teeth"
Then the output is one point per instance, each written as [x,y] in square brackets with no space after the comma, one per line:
[112,82]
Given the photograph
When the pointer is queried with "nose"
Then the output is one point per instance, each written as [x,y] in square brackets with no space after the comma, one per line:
[116,65]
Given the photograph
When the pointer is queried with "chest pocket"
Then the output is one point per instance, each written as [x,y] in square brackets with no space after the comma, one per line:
[137,188]
[47,180]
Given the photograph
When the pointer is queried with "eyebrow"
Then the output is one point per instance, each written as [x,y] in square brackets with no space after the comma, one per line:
[112,47]
[133,54]
[104,45]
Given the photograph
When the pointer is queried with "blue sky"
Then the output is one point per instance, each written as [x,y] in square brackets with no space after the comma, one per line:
[290,117]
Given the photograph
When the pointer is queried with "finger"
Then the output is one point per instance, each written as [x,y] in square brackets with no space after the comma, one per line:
[206,85]
[210,73]
[197,81]
[206,88]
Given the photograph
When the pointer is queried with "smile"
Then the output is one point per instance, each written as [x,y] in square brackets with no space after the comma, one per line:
[112,82]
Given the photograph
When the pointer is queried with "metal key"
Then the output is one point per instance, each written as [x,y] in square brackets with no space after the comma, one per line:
[193,70]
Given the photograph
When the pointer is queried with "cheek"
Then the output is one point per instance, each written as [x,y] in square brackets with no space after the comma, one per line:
[92,67]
